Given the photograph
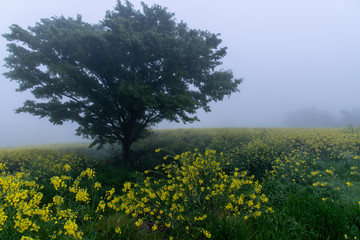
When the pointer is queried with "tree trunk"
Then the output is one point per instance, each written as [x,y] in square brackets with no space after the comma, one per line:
[126,145]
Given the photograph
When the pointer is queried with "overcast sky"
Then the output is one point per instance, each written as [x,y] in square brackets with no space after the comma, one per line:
[292,54]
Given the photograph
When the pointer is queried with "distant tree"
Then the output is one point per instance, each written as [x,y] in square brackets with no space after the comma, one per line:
[350,117]
[117,78]
[311,118]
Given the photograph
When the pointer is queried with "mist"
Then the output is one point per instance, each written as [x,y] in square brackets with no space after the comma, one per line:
[299,60]
[316,118]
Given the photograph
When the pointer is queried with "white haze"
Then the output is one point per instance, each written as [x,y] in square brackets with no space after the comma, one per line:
[294,56]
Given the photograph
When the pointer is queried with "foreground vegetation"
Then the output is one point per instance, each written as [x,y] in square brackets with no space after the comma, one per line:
[188,184]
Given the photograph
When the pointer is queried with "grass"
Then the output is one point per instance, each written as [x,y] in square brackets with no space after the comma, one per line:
[310,177]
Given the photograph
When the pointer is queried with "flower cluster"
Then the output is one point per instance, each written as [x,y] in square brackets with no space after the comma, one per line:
[45,163]
[189,192]
[23,211]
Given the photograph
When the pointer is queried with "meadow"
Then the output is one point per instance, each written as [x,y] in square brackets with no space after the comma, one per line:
[226,183]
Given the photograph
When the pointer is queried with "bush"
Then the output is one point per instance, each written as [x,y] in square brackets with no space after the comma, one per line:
[189,193]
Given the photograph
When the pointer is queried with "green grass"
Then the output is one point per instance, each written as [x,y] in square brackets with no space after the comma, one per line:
[302,211]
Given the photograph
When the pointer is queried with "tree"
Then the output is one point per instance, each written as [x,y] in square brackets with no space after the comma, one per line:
[119,77]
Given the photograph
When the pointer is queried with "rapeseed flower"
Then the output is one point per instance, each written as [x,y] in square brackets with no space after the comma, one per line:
[349,184]
[97,185]
[58,200]
[139,222]
[72,229]
[206,233]
[56,181]
[67,167]
[193,183]
[118,230]
[82,196]
[89,173]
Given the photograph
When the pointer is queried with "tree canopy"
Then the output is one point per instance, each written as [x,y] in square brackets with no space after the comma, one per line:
[119,77]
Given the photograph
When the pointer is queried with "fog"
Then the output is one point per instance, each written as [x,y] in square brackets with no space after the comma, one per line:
[299,60]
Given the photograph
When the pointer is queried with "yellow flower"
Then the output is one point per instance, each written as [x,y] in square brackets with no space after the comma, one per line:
[329,171]
[152,195]
[349,184]
[3,217]
[206,233]
[71,229]
[139,222]
[158,150]
[2,167]
[269,210]
[56,181]
[22,224]
[67,167]
[118,230]
[229,206]
[97,185]
[200,218]
[82,195]
[154,227]
[58,200]
[315,184]
[315,173]
[109,194]
[88,172]
[127,186]
[257,214]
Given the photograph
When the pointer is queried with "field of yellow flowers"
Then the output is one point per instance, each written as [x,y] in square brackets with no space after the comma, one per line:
[230,183]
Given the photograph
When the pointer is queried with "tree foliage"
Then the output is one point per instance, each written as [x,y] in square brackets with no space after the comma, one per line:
[119,77]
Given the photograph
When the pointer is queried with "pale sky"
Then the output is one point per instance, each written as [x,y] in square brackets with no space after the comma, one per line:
[292,54]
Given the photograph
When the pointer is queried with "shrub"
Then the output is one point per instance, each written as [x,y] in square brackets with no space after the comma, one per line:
[187,194]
